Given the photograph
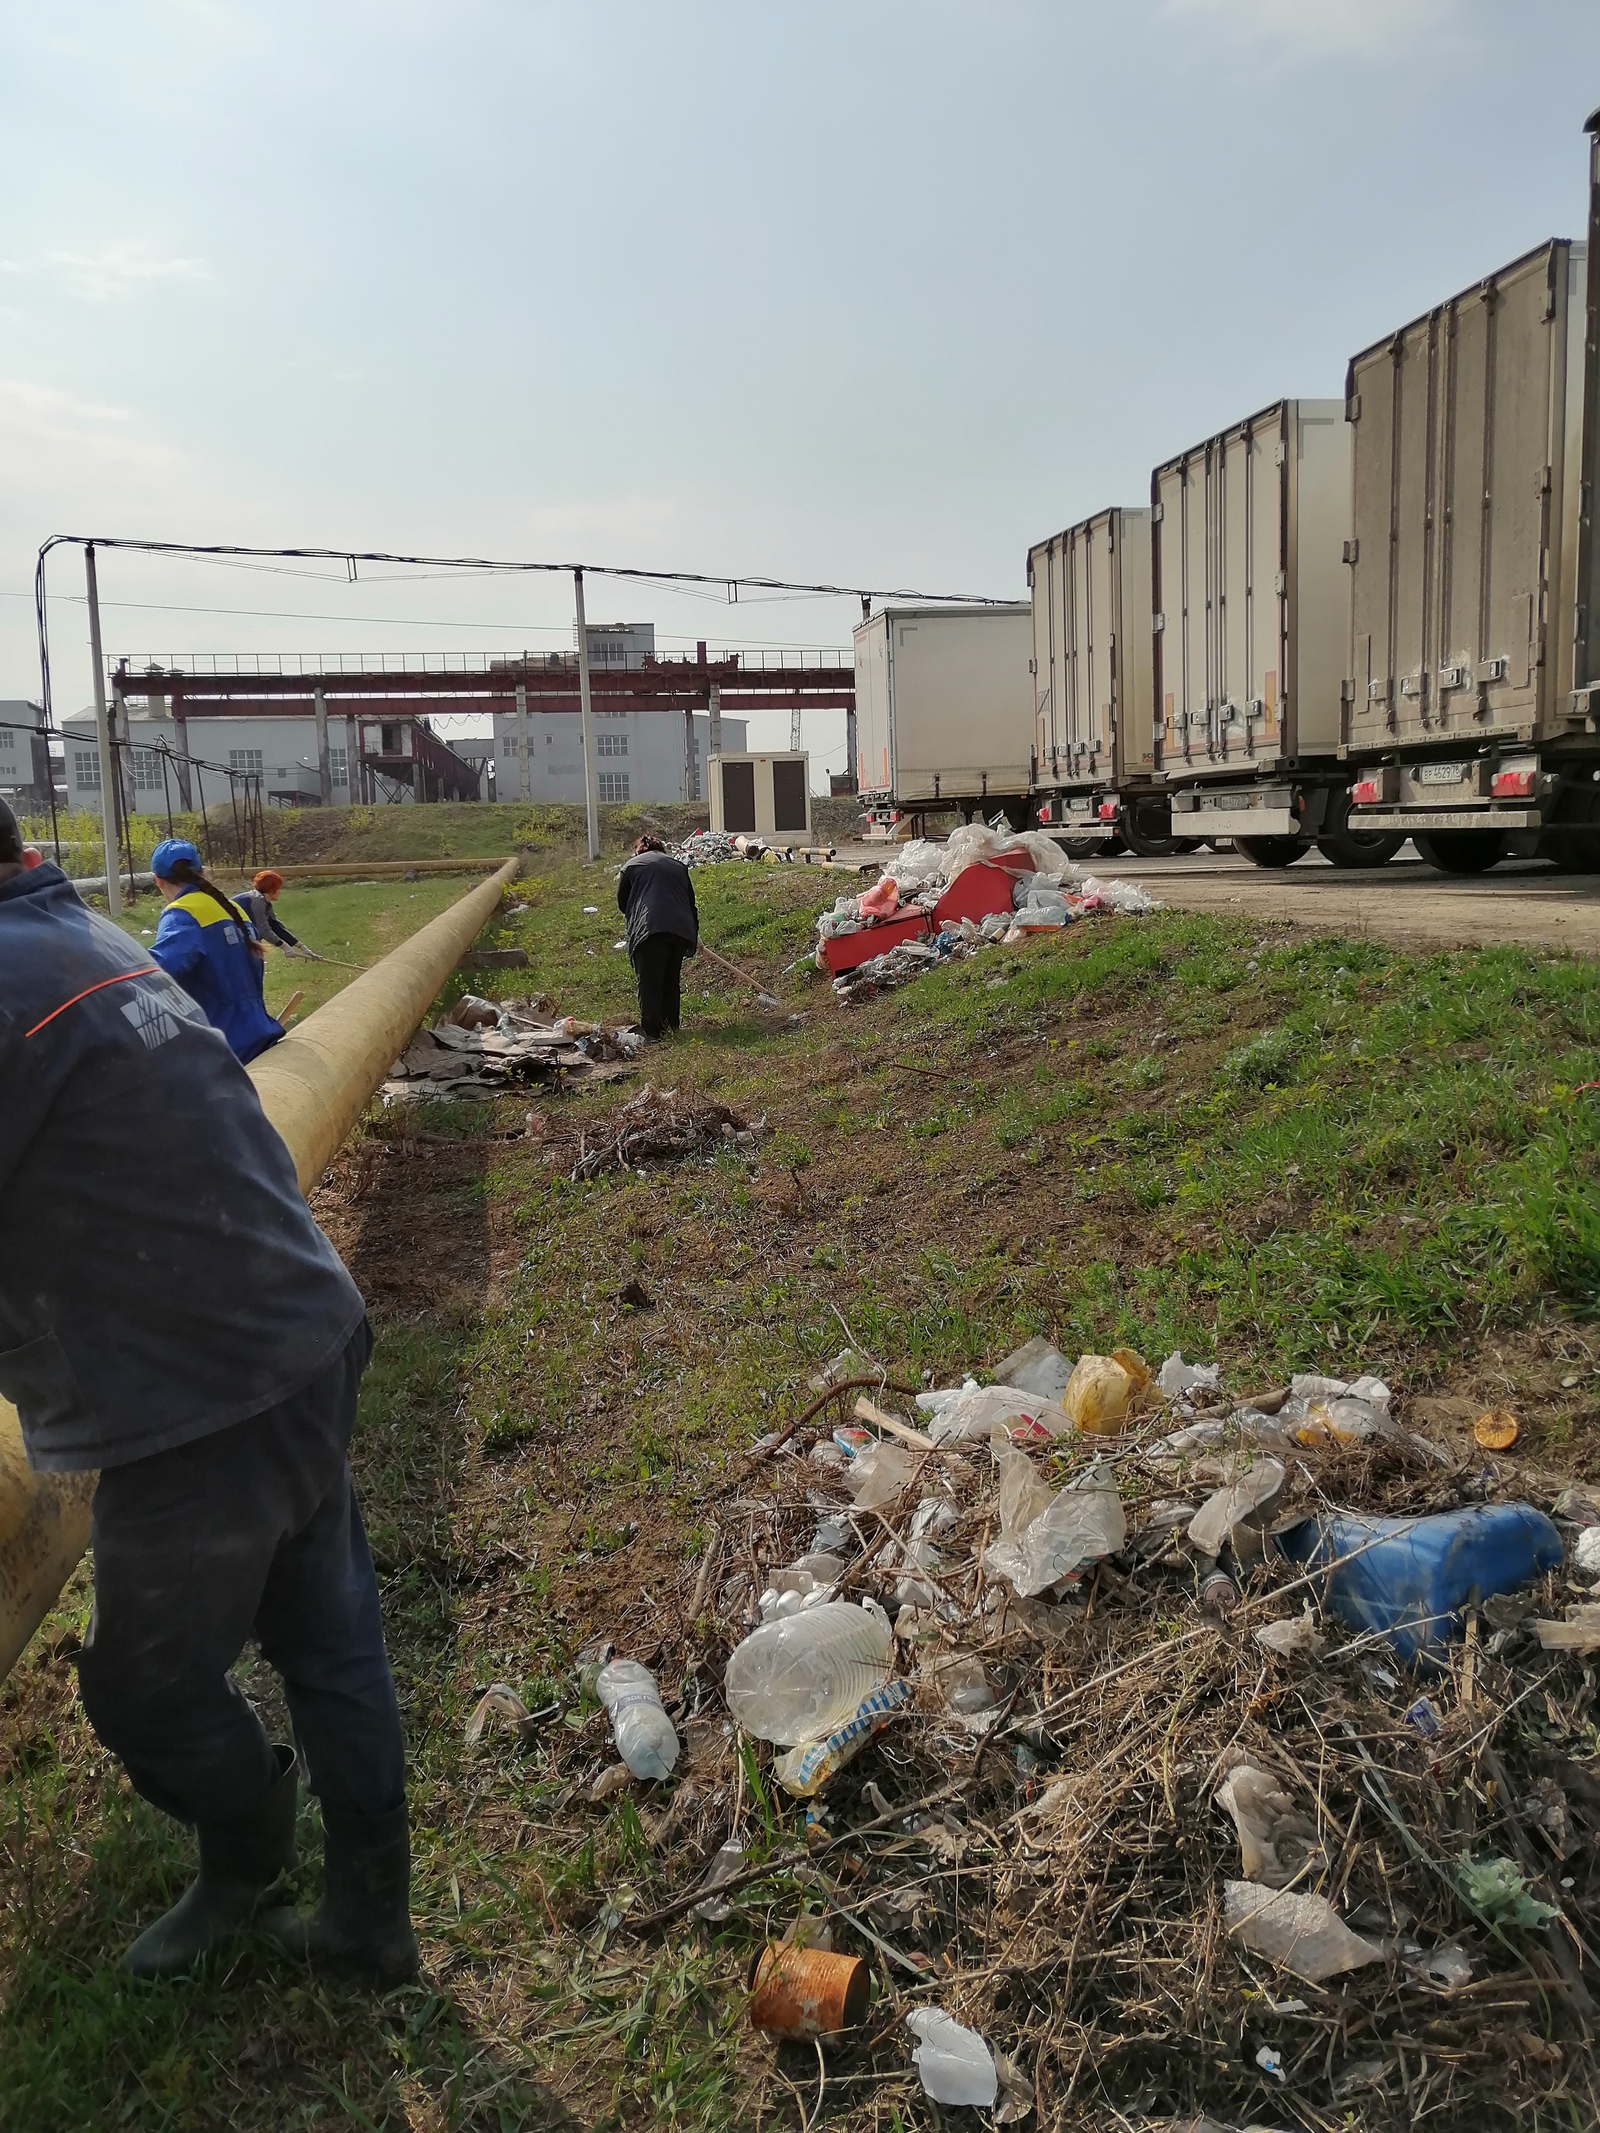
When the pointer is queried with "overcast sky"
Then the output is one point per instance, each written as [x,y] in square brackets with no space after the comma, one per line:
[875,293]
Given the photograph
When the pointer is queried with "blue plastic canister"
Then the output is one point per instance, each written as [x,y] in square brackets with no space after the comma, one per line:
[1414,1575]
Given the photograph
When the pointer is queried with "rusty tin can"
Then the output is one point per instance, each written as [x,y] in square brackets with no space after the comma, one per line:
[807,1992]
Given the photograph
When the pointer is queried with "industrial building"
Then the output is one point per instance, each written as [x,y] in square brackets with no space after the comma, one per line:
[376,761]
[24,757]
[639,755]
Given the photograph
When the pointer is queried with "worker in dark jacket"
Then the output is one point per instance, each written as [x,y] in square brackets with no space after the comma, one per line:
[656,896]
[259,905]
[205,941]
[171,1316]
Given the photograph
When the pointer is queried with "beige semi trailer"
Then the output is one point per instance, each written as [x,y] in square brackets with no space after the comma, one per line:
[1472,710]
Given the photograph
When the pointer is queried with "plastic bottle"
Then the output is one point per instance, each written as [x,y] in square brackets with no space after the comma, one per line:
[644,1734]
[1408,1578]
[955,2064]
[798,1679]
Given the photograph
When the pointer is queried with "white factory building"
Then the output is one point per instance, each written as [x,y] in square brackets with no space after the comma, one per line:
[639,755]
[282,752]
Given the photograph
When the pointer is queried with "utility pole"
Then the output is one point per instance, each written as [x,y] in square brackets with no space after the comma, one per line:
[102,723]
[524,775]
[324,761]
[587,710]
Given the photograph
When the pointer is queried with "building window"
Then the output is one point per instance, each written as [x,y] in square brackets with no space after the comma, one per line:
[613,785]
[245,759]
[611,744]
[86,768]
[146,770]
[339,765]
[8,739]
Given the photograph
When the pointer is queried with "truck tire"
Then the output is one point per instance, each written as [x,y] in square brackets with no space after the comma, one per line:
[1145,827]
[1460,851]
[1272,851]
[1343,846]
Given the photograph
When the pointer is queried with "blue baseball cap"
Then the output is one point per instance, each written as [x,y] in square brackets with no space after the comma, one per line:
[168,853]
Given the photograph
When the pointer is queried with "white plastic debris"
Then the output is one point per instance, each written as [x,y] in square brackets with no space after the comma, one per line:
[1176,1378]
[990,1409]
[644,1734]
[1037,1368]
[1044,1538]
[1296,1638]
[877,1475]
[727,1862]
[1275,1838]
[1586,1550]
[1301,1934]
[1447,1965]
[796,1680]
[953,2062]
[1244,1502]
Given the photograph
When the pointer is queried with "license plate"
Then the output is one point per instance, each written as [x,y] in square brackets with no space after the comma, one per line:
[1441,773]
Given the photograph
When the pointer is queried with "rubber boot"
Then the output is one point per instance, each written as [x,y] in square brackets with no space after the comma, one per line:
[362,1927]
[239,1861]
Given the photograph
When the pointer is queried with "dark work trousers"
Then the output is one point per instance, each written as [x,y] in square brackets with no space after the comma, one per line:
[658,966]
[253,1531]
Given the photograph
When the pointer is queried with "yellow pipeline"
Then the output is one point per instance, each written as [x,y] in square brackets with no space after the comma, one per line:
[313,1086]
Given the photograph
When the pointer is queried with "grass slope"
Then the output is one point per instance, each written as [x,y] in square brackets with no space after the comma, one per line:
[1175,1131]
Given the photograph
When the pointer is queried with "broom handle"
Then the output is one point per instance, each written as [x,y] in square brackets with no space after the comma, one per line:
[732,968]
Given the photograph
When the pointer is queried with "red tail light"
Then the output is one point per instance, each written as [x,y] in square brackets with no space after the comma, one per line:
[1108,810]
[1364,793]
[1044,814]
[1514,784]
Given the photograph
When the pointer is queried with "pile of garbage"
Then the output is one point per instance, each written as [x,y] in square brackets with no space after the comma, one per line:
[1029,885]
[708,847]
[1186,1754]
[482,1048]
[662,1126]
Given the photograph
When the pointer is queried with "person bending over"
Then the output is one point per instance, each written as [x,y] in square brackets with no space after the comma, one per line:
[205,941]
[656,896]
[259,905]
[171,1316]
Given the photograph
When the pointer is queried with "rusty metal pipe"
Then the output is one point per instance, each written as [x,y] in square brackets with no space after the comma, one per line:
[313,1086]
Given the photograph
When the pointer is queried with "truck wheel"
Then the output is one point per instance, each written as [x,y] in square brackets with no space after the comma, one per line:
[1343,846]
[1078,849]
[1272,851]
[1460,851]
[1145,827]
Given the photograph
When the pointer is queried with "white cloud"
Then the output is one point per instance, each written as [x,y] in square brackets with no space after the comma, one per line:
[1323,29]
[61,452]
[117,270]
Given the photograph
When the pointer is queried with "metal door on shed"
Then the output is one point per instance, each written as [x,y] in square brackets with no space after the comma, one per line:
[1221,593]
[1457,425]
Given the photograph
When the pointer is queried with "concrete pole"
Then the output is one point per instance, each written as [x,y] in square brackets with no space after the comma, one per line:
[102,722]
[714,720]
[587,710]
[524,768]
[324,761]
[850,746]
[690,781]
[180,727]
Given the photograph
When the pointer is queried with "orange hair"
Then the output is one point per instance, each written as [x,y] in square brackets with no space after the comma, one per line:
[268,882]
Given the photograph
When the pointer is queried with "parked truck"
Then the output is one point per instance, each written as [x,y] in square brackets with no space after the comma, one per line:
[1249,536]
[1473,695]
[944,711]
[1095,775]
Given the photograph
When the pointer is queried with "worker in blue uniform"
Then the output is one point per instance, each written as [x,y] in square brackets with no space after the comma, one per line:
[172,1319]
[205,941]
